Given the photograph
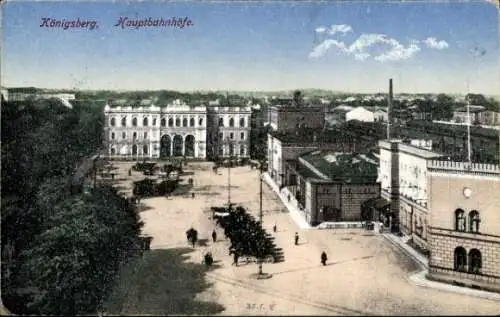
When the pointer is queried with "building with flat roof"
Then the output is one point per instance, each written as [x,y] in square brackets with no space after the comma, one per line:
[287,116]
[332,186]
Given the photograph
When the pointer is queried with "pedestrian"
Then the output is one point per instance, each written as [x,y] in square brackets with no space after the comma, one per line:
[192,195]
[214,235]
[275,228]
[129,172]
[296,238]
[324,258]
[209,260]
[235,258]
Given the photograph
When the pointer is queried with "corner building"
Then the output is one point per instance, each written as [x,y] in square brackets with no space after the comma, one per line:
[465,224]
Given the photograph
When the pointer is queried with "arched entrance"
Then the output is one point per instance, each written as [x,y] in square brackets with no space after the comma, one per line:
[178,145]
[165,144]
[189,145]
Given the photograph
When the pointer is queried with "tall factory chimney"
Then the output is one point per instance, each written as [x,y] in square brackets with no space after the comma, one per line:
[389,110]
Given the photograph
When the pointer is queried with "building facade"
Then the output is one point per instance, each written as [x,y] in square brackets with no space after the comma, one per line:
[325,190]
[290,117]
[465,223]
[403,178]
[176,130]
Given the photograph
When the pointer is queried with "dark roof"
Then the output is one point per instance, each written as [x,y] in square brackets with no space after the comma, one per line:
[377,203]
[345,167]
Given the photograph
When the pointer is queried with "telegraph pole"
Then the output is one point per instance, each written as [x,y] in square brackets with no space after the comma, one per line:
[260,214]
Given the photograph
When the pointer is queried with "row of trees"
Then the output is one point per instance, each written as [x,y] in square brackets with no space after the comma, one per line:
[247,236]
[61,246]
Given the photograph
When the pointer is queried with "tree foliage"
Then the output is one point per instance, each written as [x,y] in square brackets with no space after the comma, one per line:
[65,246]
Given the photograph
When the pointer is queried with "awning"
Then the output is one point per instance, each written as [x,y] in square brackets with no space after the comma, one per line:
[377,203]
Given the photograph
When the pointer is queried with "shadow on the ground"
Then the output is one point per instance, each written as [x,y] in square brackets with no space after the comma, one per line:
[182,189]
[144,207]
[162,283]
[203,242]
[320,265]
[187,173]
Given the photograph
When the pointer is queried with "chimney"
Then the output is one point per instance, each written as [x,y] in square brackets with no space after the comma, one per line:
[389,110]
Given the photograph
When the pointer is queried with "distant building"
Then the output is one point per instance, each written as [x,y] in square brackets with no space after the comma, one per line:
[464,230]
[380,115]
[22,93]
[331,186]
[337,114]
[360,114]
[477,115]
[287,116]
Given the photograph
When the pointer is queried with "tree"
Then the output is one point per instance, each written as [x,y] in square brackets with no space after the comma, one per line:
[443,108]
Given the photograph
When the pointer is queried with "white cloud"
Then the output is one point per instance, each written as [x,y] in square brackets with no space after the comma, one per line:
[320,30]
[432,42]
[340,28]
[398,52]
[361,56]
[321,49]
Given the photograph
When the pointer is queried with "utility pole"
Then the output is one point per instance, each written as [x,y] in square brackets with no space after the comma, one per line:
[260,213]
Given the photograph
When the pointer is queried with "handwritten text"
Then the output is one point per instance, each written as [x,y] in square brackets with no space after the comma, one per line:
[68,24]
[125,22]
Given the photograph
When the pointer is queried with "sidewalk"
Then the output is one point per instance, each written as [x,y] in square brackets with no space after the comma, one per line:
[290,206]
[420,278]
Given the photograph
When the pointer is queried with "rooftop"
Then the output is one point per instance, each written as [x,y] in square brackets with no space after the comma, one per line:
[315,135]
[344,167]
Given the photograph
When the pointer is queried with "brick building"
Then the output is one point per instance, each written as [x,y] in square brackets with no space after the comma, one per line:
[464,228]
[287,116]
[331,186]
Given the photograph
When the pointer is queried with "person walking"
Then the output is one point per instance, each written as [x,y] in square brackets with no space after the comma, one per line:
[324,258]
[296,238]
[275,228]
[214,235]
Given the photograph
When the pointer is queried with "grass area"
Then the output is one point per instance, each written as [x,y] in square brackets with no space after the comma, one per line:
[161,283]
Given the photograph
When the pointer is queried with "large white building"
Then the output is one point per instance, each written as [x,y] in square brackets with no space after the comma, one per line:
[176,130]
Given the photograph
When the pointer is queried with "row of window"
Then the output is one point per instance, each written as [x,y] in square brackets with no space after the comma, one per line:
[471,263]
[461,221]
[232,150]
[231,122]
[124,135]
[163,122]
[231,136]
[145,150]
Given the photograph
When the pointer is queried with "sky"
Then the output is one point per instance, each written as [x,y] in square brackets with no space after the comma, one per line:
[353,46]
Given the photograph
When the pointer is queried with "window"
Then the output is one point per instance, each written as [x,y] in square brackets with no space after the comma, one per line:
[171,122]
[231,135]
[474,221]
[145,149]
[242,135]
[242,150]
[154,122]
[145,122]
[459,220]
[124,121]
[177,122]
[145,135]
[113,151]
[475,261]
[184,122]
[242,122]
[221,122]
[221,135]
[231,122]
[134,122]
[460,259]
[231,149]
[112,122]
[221,151]
[134,149]
[163,122]
[112,135]
[200,122]
[134,136]
[191,122]
[124,135]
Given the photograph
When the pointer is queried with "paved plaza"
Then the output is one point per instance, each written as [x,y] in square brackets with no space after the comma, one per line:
[365,275]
